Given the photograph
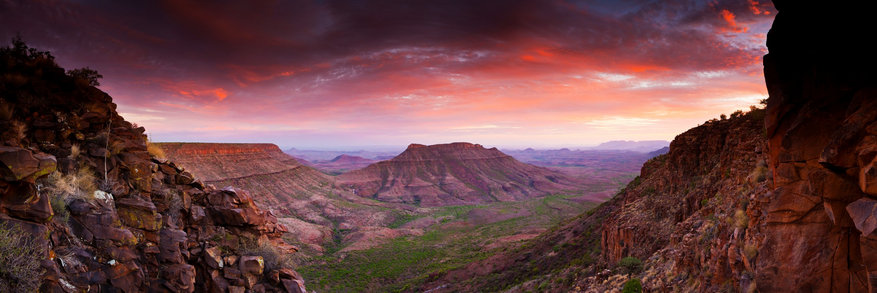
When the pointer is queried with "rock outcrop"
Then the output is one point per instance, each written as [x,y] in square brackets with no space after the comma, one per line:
[107,216]
[281,184]
[453,174]
[680,217]
[822,133]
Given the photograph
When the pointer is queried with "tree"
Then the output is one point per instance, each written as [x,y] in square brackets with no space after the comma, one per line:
[88,74]
[630,265]
[21,53]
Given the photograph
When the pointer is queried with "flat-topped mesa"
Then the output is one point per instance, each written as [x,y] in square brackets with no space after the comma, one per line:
[453,174]
[457,150]
[222,161]
[190,148]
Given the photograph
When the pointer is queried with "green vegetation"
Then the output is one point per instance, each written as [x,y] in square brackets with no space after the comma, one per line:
[20,258]
[62,188]
[87,75]
[632,286]
[630,265]
[463,234]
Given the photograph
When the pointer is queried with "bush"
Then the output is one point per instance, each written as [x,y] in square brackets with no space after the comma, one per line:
[155,151]
[80,184]
[741,220]
[630,265]
[632,286]
[20,258]
[273,258]
[89,75]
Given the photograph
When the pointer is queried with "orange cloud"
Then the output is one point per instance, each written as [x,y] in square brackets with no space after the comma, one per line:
[732,23]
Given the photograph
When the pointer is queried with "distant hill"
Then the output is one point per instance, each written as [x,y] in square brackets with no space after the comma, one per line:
[630,145]
[659,152]
[318,155]
[453,174]
[342,163]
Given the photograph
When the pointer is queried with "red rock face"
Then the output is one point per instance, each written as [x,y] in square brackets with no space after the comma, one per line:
[153,227]
[822,134]
[453,174]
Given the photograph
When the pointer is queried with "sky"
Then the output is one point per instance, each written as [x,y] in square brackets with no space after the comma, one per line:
[326,74]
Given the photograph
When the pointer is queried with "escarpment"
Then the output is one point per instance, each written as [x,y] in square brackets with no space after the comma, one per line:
[452,174]
[102,214]
[680,217]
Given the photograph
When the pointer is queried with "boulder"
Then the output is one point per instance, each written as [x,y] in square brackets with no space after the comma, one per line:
[213,257]
[169,246]
[138,213]
[24,165]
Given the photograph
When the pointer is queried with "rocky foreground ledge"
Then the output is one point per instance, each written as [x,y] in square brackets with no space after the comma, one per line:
[88,206]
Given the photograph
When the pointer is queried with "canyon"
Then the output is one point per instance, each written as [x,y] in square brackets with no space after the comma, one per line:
[780,198]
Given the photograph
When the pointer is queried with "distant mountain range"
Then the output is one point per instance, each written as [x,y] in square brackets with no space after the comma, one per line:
[630,145]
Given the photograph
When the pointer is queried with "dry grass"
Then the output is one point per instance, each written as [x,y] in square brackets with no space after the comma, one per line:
[750,251]
[741,220]
[80,184]
[18,130]
[273,258]
[155,150]
[20,259]
[760,173]
[75,151]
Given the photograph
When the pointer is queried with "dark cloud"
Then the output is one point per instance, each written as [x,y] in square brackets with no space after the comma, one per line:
[324,57]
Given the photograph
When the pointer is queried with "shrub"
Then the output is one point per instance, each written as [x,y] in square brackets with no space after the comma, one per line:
[741,220]
[750,251]
[18,131]
[20,258]
[630,265]
[75,151]
[59,207]
[632,286]
[273,258]
[155,151]
[80,184]
[87,74]
[760,173]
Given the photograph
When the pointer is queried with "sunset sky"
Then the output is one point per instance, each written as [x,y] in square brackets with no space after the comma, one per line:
[327,74]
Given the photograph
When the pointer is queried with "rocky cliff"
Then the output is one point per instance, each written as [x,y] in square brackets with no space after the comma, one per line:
[737,205]
[453,174]
[686,216]
[277,178]
[822,136]
[299,194]
[84,200]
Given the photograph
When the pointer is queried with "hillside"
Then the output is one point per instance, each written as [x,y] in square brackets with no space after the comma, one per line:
[659,218]
[87,204]
[453,174]
[301,196]
[775,200]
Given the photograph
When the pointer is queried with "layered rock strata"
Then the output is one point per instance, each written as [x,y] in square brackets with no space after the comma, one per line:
[453,174]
